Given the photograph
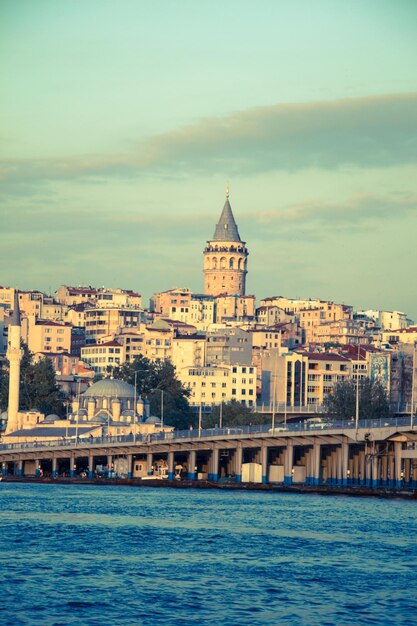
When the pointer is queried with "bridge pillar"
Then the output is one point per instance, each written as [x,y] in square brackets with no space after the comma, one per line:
[363,470]
[384,471]
[54,466]
[399,474]
[238,462]
[288,463]
[339,467]
[37,468]
[375,481]
[149,463]
[91,466]
[73,467]
[4,470]
[391,471]
[129,465]
[192,459]
[20,468]
[264,462]
[345,463]
[170,465]
[214,465]
[109,465]
[316,463]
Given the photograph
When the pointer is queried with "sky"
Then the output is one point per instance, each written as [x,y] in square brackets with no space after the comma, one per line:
[122,123]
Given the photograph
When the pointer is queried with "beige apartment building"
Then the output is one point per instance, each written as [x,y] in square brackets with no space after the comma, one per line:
[202,311]
[75,314]
[100,322]
[221,383]
[387,320]
[173,303]
[310,313]
[33,303]
[101,297]
[104,356]
[271,315]
[188,350]
[46,335]
[301,378]
[345,332]
[181,305]
[229,308]
[404,335]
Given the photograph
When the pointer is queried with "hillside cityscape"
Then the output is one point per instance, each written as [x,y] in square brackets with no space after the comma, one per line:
[276,355]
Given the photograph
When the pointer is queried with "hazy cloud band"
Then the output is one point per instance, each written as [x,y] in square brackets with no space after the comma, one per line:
[361,132]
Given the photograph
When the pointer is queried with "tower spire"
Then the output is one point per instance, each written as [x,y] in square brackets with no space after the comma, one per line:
[226,228]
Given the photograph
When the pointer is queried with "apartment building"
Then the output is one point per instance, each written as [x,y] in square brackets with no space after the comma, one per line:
[99,297]
[301,378]
[220,383]
[46,335]
[228,345]
[104,356]
[101,322]
[234,307]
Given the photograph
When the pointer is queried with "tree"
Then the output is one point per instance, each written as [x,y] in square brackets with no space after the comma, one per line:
[234,414]
[38,388]
[158,382]
[373,400]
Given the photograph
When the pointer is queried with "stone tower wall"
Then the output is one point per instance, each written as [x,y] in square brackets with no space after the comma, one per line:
[225,268]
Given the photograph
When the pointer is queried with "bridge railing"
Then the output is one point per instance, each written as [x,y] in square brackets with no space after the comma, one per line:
[308,425]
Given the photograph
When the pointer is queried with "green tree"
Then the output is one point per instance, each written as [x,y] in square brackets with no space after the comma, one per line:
[234,414]
[38,388]
[373,400]
[158,382]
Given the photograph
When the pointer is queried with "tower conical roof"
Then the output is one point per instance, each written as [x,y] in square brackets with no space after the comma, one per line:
[15,317]
[226,229]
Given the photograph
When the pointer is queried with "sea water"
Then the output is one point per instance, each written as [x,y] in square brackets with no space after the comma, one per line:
[102,555]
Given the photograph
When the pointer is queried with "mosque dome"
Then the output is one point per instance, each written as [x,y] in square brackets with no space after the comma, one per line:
[110,388]
[153,420]
[51,418]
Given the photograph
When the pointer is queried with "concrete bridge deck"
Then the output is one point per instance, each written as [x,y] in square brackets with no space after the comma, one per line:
[379,453]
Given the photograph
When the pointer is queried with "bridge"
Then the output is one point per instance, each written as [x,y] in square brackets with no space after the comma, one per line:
[373,454]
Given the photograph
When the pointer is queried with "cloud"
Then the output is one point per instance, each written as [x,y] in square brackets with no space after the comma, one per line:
[360,132]
[357,211]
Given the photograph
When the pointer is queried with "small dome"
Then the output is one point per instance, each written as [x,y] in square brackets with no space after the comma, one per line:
[110,388]
[153,420]
[51,418]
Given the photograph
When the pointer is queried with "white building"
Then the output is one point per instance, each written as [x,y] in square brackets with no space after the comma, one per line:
[215,384]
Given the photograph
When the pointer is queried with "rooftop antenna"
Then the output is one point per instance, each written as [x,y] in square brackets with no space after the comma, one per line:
[227,190]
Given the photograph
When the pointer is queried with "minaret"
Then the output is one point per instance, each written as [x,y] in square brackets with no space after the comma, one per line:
[225,257]
[14,356]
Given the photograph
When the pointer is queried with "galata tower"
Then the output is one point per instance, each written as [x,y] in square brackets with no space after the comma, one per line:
[225,258]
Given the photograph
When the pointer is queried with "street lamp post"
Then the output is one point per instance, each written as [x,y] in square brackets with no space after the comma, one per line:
[357,393]
[412,386]
[135,402]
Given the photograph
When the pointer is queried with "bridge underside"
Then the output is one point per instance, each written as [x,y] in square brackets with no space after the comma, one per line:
[381,457]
